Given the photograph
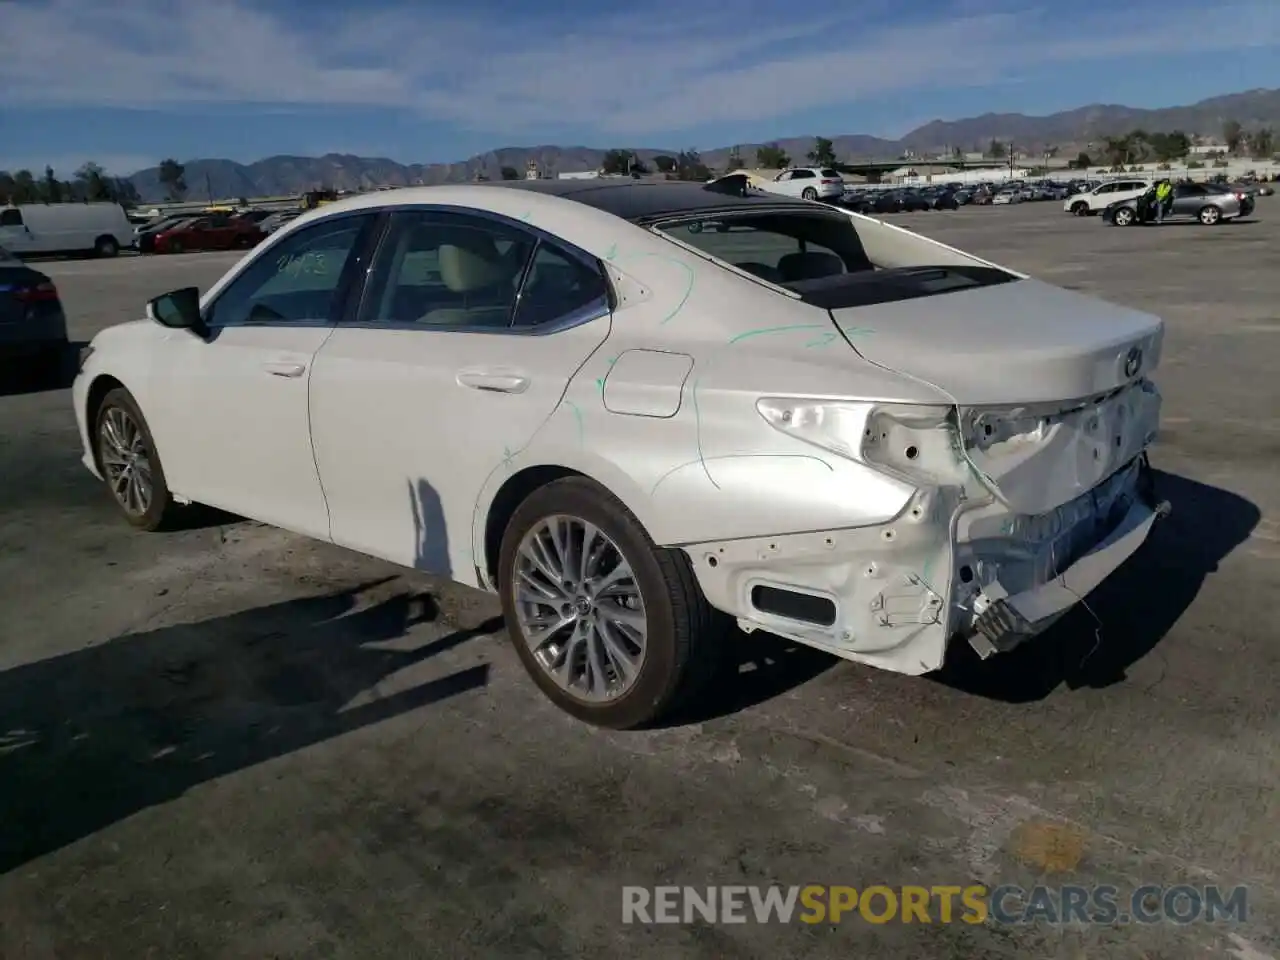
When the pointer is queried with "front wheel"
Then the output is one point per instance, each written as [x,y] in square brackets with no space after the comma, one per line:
[129,463]
[809,193]
[1210,215]
[1080,209]
[613,629]
[1122,217]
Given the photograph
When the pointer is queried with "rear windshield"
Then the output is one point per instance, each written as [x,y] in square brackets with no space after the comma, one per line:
[820,258]
[831,174]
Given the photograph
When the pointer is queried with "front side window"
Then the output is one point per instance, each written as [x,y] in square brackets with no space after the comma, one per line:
[447,270]
[296,281]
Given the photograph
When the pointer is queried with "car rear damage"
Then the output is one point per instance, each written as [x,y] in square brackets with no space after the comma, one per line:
[1023,486]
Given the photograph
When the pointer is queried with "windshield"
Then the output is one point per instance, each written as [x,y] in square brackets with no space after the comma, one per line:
[818,257]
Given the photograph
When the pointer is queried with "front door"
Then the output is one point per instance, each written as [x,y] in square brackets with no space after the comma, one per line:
[236,432]
[469,332]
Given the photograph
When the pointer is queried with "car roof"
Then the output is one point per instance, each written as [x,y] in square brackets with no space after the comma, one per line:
[640,200]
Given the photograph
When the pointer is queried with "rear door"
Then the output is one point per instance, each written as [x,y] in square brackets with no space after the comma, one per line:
[1188,198]
[466,338]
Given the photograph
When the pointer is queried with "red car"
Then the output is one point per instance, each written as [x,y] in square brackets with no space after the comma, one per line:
[209,233]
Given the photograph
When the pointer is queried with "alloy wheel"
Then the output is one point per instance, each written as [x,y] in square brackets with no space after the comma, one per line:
[579,608]
[126,461]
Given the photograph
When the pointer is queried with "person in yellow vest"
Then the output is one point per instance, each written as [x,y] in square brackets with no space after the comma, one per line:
[1164,199]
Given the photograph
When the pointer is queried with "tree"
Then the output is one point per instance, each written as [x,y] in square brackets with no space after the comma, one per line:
[957,153]
[172,178]
[997,150]
[510,173]
[1082,161]
[1117,150]
[50,188]
[93,184]
[823,153]
[689,166]
[126,193]
[1170,146]
[25,189]
[772,157]
[616,162]
[1232,135]
[664,163]
[1262,143]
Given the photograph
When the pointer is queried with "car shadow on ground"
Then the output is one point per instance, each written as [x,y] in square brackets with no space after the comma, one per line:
[758,667]
[94,736]
[1134,608]
[24,376]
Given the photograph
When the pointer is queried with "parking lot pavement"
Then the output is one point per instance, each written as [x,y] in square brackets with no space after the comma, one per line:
[230,742]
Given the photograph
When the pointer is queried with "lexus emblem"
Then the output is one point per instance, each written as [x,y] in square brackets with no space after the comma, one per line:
[1133,361]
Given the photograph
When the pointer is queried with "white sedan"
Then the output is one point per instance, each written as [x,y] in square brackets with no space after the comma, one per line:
[642,412]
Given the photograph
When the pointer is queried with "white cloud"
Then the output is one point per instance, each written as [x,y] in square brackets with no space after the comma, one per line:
[653,70]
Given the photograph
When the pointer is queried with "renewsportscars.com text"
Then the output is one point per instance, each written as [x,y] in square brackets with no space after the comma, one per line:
[972,904]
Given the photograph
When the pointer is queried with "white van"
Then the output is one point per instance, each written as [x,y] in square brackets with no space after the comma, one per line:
[39,228]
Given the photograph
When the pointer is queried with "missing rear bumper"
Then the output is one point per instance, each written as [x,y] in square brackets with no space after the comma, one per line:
[1008,621]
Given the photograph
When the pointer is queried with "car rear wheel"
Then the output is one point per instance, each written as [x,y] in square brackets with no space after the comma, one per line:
[174,246]
[129,463]
[1122,217]
[809,193]
[613,629]
[106,247]
[1210,215]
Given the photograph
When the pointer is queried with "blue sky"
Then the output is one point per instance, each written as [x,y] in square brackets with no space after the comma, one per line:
[129,82]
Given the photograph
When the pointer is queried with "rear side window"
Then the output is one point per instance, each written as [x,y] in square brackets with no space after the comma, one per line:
[803,174]
[11,217]
[559,286]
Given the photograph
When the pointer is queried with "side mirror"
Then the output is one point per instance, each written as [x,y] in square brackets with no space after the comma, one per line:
[177,309]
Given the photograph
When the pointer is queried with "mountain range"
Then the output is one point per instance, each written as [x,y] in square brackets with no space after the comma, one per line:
[1068,131]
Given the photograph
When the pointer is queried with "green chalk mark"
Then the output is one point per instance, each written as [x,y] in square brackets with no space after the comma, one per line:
[856,331]
[823,340]
[764,330]
[611,252]
[577,416]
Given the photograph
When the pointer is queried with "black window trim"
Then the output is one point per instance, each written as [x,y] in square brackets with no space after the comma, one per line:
[602,307]
[345,283]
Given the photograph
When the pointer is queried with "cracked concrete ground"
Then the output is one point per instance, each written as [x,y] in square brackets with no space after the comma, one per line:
[231,742]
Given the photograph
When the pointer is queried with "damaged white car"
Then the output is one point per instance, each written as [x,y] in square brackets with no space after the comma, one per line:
[642,411]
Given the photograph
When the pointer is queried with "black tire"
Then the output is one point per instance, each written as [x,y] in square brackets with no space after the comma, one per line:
[1124,217]
[162,508]
[1080,209]
[685,641]
[174,246]
[1210,215]
[808,193]
[106,246]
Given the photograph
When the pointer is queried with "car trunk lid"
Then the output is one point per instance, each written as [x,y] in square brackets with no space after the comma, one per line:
[1049,384]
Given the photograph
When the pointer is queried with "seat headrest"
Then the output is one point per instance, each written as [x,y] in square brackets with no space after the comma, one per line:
[795,267]
[471,261]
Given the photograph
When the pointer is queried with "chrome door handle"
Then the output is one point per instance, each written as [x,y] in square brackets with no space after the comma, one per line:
[493,381]
[284,368]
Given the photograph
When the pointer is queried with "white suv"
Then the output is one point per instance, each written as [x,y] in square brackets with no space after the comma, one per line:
[1096,200]
[808,183]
